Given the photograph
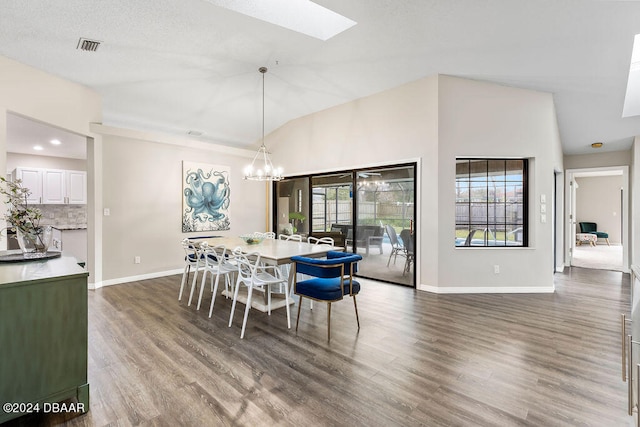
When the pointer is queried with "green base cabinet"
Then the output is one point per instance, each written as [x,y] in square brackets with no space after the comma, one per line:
[43,337]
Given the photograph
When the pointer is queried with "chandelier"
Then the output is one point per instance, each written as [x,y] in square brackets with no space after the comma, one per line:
[261,168]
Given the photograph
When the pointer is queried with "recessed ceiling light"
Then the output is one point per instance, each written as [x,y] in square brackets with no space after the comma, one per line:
[597,145]
[38,147]
[55,142]
[302,16]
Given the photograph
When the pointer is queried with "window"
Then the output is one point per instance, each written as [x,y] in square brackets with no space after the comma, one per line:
[491,202]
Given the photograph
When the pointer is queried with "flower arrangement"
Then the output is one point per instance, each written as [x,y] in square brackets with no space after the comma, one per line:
[296,218]
[19,215]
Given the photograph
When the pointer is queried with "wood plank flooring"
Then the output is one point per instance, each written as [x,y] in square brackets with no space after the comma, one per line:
[418,359]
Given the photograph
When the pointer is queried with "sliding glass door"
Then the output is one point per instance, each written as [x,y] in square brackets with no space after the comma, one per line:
[385,230]
[367,211]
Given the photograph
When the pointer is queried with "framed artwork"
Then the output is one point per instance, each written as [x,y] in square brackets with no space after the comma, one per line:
[205,197]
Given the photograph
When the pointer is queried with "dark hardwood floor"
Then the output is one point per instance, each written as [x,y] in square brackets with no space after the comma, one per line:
[418,359]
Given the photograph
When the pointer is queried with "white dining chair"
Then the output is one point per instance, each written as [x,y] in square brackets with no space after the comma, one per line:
[216,263]
[321,240]
[291,237]
[252,274]
[269,235]
[191,260]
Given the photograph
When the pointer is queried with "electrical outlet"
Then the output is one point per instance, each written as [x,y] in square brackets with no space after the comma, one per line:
[136,260]
[107,212]
[496,269]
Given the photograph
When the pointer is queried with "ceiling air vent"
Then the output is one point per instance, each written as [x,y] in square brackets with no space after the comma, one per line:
[88,45]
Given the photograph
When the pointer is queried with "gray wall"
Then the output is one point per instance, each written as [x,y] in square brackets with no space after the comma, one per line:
[598,200]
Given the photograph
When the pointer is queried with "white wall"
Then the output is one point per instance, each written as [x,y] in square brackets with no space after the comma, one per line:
[598,200]
[436,119]
[40,96]
[143,191]
[482,119]
[15,160]
[385,128]
[598,160]
[635,206]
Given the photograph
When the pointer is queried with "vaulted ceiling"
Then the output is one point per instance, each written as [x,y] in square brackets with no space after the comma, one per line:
[188,65]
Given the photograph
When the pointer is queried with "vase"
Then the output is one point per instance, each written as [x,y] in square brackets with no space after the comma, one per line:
[35,245]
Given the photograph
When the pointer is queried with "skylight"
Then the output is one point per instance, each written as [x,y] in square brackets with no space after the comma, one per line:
[302,16]
[632,97]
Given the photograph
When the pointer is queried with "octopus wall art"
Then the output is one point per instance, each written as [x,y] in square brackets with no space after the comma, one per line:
[205,197]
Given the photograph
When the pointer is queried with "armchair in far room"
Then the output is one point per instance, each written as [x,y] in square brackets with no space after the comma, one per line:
[592,228]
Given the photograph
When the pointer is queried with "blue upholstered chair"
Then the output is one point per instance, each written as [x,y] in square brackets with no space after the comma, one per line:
[592,228]
[331,279]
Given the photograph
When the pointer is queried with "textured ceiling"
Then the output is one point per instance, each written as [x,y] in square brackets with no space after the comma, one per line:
[180,65]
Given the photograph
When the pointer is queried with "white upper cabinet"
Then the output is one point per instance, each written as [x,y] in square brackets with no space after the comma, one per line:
[54,186]
[76,182]
[32,179]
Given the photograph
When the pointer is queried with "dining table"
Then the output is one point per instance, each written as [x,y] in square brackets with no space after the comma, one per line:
[273,252]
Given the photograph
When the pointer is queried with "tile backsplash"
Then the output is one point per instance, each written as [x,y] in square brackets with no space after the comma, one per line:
[64,215]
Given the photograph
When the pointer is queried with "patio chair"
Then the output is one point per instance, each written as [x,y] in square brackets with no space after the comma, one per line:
[396,246]
[407,239]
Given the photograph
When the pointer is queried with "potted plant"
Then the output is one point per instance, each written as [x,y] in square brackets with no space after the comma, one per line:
[33,239]
[296,218]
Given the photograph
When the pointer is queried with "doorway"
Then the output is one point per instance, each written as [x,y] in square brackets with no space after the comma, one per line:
[45,147]
[599,196]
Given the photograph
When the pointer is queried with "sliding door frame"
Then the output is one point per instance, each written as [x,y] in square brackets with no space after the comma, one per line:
[415,164]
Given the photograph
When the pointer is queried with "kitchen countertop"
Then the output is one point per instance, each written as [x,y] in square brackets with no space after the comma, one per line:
[70,227]
[23,273]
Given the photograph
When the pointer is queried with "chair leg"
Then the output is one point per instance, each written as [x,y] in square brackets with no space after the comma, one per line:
[268,290]
[607,239]
[329,322]
[202,285]
[298,318]
[214,293]
[193,284]
[355,305]
[246,311]
[286,301]
[233,304]
[310,304]
[185,276]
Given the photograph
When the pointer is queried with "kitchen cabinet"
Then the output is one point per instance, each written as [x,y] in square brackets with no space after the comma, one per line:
[54,186]
[74,243]
[43,334]
[76,187]
[32,179]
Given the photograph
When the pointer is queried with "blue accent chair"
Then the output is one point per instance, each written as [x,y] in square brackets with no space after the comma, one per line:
[331,279]
[592,228]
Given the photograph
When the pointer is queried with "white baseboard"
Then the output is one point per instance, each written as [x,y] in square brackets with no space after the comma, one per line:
[488,289]
[121,280]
